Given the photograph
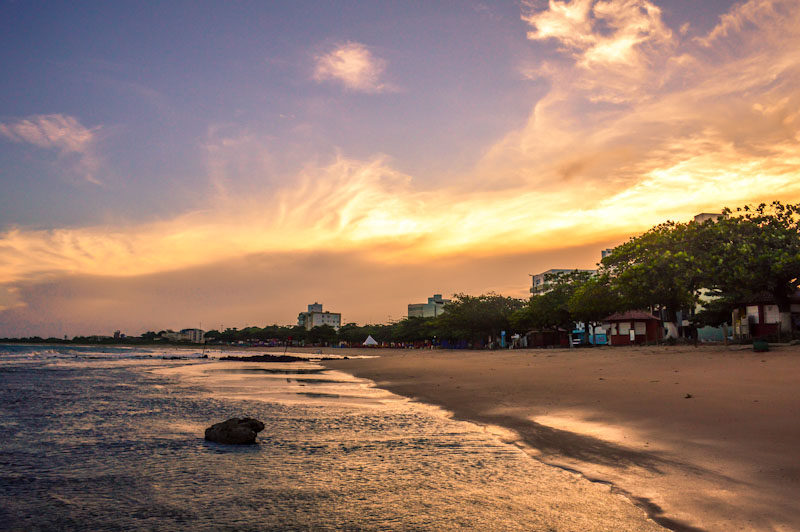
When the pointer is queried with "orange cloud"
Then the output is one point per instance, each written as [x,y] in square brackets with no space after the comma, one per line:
[601,33]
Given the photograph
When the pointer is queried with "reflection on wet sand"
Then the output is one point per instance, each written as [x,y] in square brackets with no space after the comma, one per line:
[281,382]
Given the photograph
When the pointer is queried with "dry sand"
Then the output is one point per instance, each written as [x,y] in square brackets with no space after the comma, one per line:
[724,459]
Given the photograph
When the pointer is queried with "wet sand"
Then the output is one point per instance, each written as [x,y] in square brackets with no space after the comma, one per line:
[441,493]
[703,438]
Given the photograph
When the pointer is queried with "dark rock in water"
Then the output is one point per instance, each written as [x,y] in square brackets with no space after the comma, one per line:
[235,431]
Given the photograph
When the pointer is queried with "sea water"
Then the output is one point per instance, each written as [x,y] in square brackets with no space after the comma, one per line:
[112,439]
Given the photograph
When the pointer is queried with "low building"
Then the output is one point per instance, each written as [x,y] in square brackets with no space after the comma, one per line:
[759,316]
[703,216]
[633,327]
[582,335]
[547,338]
[316,317]
[194,336]
[434,307]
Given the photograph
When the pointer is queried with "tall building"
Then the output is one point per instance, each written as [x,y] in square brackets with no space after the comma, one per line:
[315,317]
[431,309]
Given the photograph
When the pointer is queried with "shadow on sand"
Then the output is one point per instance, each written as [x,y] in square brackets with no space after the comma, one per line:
[556,443]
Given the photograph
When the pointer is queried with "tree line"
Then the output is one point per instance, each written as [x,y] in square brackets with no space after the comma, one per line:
[470,321]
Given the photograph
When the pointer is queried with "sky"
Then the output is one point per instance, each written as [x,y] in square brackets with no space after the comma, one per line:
[217,164]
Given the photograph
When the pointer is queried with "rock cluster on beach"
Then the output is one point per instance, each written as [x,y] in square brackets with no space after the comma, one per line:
[235,431]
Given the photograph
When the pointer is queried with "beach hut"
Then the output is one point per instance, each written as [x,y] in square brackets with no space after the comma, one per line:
[547,338]
[633,327]
[370,341]
[760,316]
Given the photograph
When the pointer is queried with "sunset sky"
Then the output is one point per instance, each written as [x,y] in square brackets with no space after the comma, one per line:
[184,164]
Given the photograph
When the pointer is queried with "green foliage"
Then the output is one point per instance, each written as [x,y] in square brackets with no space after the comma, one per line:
[351,333]
[594,300]
[322,334]
[747,251]
[657,269]
[414,329]
[714,312]
[753,250]
[551,310]
[476,318]
[149,336]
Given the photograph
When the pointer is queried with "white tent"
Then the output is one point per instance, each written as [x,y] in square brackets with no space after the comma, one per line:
[370,341]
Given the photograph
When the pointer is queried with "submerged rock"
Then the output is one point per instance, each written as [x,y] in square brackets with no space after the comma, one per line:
[235,431]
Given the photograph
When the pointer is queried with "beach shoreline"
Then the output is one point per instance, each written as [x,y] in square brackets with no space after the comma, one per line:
[701,438]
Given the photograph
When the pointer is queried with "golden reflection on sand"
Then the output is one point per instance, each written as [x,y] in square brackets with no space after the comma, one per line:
[580,422]
[285,382]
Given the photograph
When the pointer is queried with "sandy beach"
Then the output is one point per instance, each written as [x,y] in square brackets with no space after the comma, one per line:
[702,438]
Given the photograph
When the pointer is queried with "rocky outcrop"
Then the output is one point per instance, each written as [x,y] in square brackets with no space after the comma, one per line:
[235,431]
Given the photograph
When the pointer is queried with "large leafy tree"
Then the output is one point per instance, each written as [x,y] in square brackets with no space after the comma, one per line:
[752,250]
[659,269]
[593,300]
[742,253]
[413,329]
[476,318]
[321,334]
[352,333]
[551,310]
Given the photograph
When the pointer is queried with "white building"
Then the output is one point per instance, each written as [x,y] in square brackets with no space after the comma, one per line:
[315,317]
[703,216]
[195,336]
[431,309]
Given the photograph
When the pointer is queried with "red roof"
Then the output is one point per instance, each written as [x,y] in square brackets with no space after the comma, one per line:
[631,315]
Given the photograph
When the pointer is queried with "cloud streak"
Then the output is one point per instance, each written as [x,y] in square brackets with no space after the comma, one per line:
[59,132]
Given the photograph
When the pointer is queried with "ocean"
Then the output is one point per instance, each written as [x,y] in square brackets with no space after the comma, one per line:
[111,438]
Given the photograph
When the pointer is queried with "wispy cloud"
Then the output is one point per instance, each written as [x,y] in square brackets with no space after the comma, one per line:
[353,65]
[755,12]
[712,133]
[59,132]
[701,114]
[612,32]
